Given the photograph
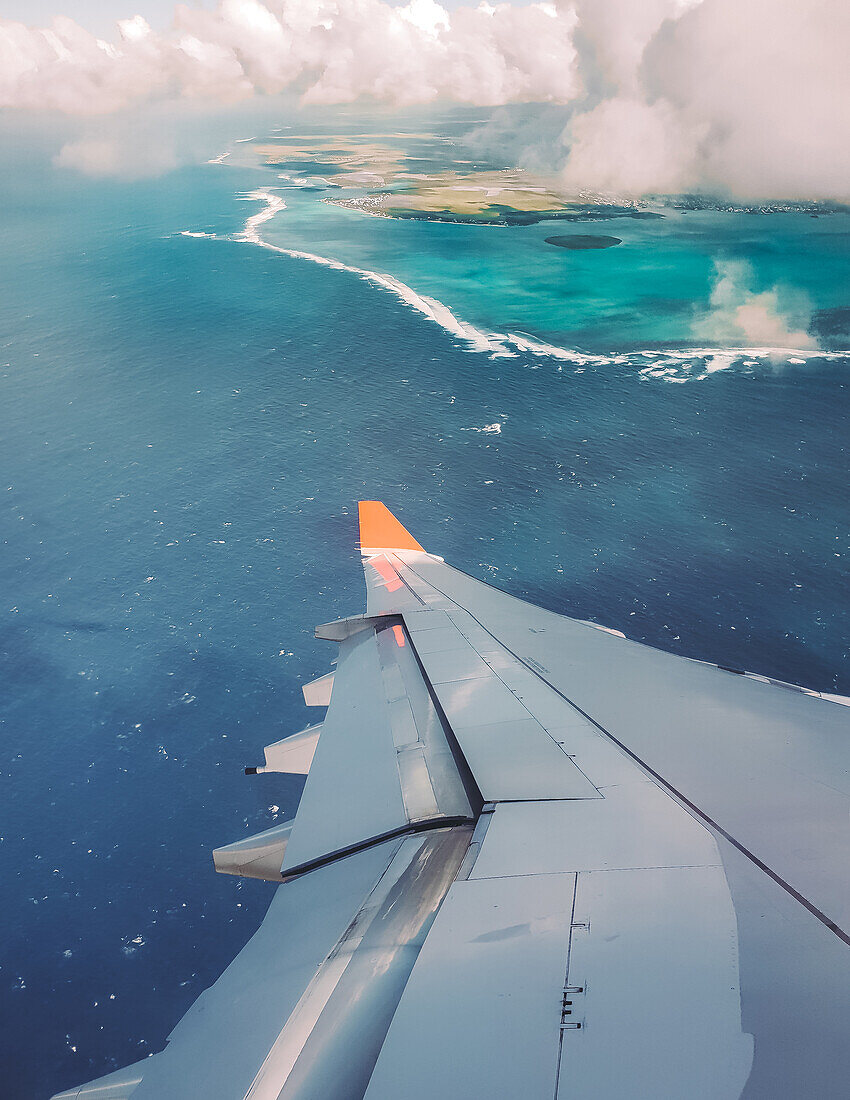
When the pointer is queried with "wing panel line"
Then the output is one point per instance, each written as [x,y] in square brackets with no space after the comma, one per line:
[819,915]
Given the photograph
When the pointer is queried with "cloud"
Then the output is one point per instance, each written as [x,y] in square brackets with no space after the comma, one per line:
[615,35]
[772,84]
[331,51]
[749,98]
[146,141]
[120,158]
[631,148]
[739,316]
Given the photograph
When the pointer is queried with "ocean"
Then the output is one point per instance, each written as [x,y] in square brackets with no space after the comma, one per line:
[187,425]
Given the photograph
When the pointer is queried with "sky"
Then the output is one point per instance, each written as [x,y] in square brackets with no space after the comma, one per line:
[100,16]
[743,98]
[97,16]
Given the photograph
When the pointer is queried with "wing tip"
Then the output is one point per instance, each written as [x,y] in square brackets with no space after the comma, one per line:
[380,530]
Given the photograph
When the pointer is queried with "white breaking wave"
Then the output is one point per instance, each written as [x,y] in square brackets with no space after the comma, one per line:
[274,204]
[680,365]
[428,307]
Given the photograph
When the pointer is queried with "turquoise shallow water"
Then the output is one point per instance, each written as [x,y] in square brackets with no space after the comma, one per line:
[649,292]
[652,291]
[186,426]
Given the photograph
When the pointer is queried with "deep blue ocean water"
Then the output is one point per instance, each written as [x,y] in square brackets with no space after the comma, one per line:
[186,427]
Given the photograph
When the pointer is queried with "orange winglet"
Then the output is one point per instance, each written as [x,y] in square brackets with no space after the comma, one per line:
[380,530]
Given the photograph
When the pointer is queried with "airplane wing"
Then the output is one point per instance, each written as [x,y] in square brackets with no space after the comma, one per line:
[533,859]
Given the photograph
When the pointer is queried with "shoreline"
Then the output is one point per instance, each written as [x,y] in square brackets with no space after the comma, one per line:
[675,365]
[377,206]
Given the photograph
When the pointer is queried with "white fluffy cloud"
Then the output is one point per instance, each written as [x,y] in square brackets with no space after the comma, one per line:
[772,82]
[331,51]
[747,97]
[630,147]
[754,96]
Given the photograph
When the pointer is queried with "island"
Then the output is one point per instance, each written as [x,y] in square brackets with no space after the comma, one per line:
[389,182]
[579,241]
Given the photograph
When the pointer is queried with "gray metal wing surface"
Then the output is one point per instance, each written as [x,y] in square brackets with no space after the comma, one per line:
[532,859]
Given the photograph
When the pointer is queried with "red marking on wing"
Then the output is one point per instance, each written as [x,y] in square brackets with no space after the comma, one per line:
[391,580]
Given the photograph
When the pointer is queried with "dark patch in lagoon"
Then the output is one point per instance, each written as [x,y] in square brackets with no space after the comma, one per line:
[582,241]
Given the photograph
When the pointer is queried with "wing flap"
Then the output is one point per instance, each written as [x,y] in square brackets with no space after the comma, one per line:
[384,761]
[480,1014]
[653,975]
[352,792]
[600,936]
